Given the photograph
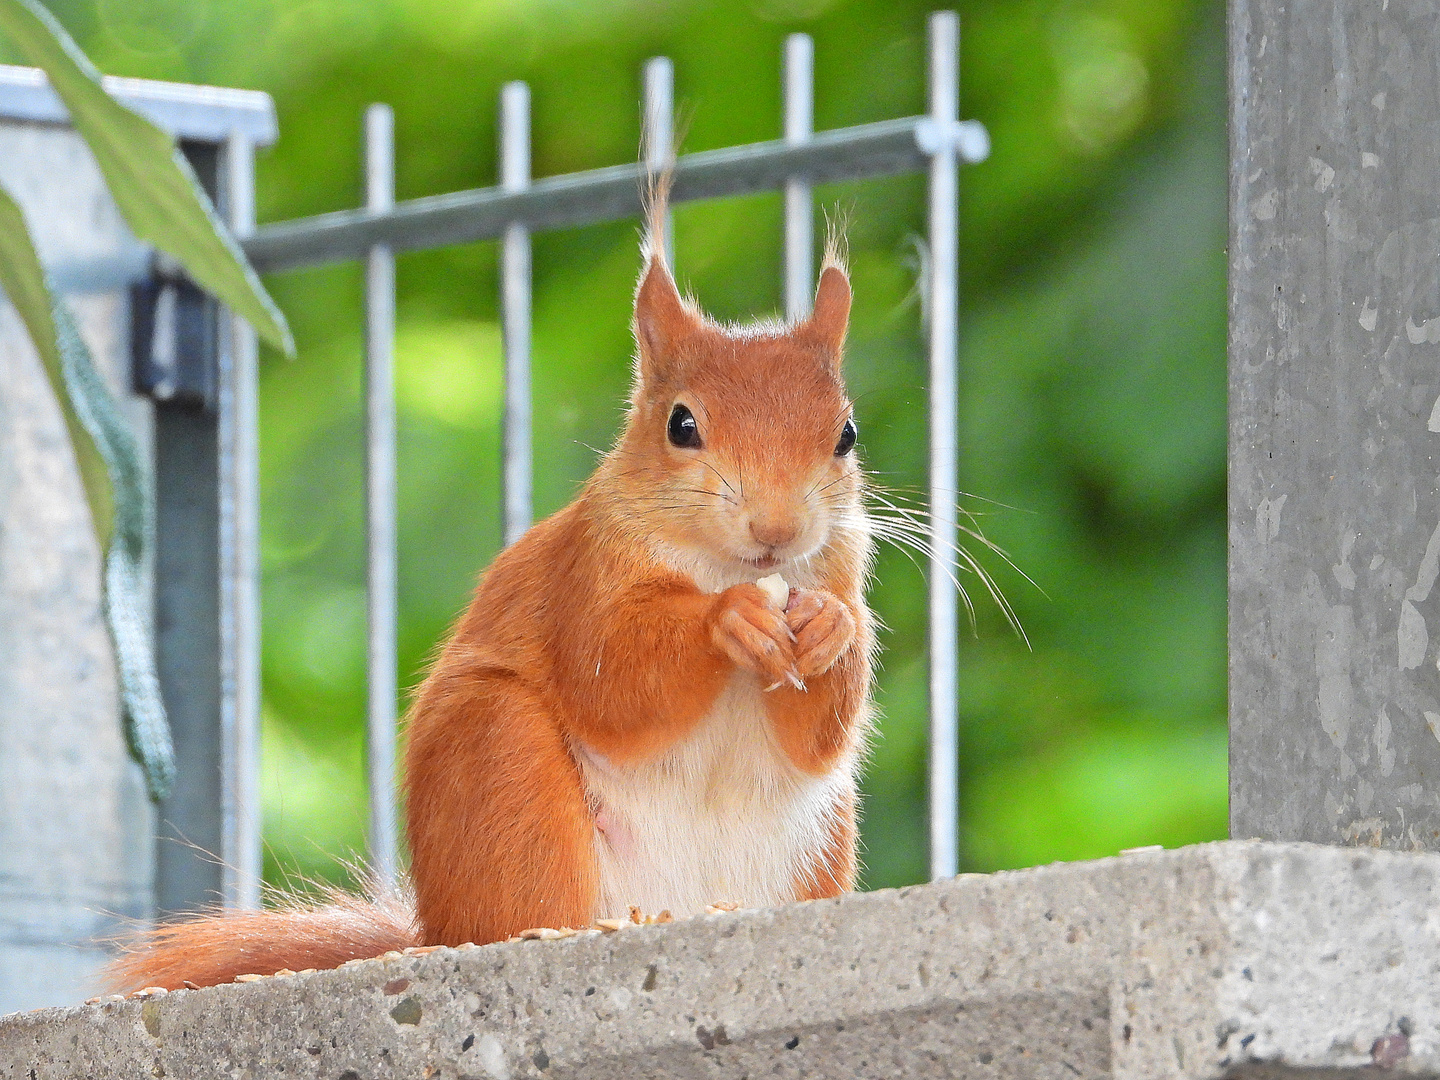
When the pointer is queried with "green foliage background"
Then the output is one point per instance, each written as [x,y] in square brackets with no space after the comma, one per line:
[1092,392]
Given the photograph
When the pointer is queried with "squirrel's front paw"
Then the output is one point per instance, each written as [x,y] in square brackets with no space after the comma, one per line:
[754,634]
[824,628]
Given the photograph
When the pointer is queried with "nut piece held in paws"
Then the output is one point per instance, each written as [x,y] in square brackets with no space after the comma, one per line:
[776,588]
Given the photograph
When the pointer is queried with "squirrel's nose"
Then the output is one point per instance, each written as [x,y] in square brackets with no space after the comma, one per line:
[774,530]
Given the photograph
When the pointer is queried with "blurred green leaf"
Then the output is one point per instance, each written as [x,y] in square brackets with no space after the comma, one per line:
[116,487]
[147,175]
[23,279]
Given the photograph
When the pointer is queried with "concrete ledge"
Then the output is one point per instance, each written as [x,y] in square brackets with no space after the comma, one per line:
[1232,959]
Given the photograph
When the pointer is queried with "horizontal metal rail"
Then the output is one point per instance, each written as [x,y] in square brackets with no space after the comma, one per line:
[886,148]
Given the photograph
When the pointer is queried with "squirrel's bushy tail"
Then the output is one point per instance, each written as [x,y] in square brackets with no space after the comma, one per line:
[211,949]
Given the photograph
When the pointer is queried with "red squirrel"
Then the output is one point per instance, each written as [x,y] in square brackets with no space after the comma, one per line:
[623,716]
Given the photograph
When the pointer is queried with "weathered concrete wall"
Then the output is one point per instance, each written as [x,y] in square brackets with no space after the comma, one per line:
[1335,421]
[1232,959]
[75,826]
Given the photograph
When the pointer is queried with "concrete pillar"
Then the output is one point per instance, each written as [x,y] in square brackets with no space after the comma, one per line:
[1335,422]
[75,825]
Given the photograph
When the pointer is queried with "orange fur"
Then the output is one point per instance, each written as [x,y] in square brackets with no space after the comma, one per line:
[211,949]
[605,638]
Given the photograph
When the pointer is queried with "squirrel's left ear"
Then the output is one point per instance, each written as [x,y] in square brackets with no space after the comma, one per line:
[831,317]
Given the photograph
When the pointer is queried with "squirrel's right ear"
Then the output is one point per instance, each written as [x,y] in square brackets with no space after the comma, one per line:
[831,317]
[662,319]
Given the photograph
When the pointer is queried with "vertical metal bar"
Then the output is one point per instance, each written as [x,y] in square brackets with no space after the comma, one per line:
[799,205]
[190,837]
[944,271]
[380,531]
[658,134]
[515,314]
[239,466]
[190,833]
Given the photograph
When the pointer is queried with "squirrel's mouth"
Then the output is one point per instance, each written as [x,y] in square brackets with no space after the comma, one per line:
[769,558]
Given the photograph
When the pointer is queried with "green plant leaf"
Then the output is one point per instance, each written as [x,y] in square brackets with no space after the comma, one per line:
[117,488]
[23,280]
[148,177]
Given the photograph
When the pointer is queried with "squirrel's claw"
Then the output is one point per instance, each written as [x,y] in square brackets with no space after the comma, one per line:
[790,677]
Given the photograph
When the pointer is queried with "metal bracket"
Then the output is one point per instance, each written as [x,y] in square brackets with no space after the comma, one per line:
[969,137]
[172,338]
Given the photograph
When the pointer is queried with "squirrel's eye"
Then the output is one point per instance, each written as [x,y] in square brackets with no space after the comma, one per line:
[848,435]
[682,429]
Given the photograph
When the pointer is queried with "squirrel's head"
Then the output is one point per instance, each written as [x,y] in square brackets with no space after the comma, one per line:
[738,455]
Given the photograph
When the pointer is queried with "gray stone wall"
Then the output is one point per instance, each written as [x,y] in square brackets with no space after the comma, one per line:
[75,826]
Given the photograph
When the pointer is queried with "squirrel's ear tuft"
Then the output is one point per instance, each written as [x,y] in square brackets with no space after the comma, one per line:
[662,319]
[831,317]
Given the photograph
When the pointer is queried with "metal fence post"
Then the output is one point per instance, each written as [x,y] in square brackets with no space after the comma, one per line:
[190,845]
[515,315]
[799,205]
[380,525]
[207,604]
[239,437]
[658,133]
[942,307]
[207,580]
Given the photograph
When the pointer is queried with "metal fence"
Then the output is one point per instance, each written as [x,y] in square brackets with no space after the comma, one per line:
[518,206]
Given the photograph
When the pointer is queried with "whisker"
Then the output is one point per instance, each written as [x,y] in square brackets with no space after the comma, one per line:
[902,548]
[1002,553]
[719,474]
[922,514]
[827,487]
[913,519]
[905,529]
[904,544]
[665,498]
[918,494]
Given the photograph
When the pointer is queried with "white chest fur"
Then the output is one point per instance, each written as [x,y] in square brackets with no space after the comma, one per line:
[721,816]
